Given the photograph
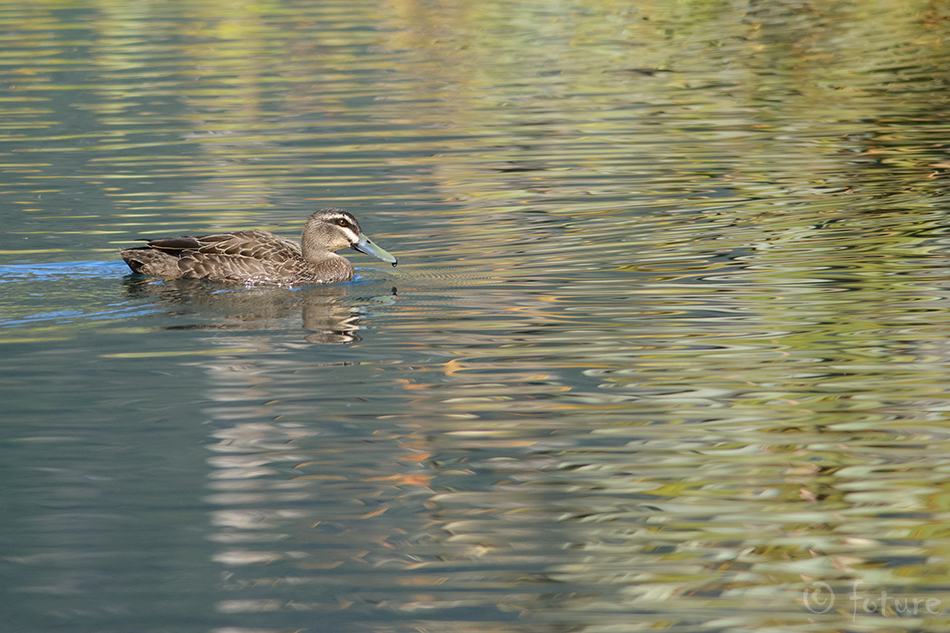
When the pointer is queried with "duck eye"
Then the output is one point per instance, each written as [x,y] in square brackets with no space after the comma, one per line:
[342,222]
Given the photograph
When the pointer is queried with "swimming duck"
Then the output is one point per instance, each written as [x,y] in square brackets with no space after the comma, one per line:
[260,256]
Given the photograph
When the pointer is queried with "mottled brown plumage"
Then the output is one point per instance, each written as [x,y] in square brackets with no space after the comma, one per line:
[260,256]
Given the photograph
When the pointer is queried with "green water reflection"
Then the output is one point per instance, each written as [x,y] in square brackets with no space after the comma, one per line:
[667,344]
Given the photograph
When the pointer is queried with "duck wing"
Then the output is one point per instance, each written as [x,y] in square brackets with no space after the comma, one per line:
[262,245]
[238,256]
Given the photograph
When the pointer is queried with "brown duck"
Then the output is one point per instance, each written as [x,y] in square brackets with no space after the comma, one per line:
[260,256]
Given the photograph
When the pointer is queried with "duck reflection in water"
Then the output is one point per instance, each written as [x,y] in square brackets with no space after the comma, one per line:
[261,257]
[331,314]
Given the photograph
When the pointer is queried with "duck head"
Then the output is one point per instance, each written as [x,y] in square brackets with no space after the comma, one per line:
[331,230]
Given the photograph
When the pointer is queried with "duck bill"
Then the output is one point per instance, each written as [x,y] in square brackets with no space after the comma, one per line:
[368,247]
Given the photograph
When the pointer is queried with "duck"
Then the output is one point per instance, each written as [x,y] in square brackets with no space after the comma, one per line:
[260,257]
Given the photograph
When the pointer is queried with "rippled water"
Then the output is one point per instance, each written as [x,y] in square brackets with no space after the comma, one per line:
[668,345]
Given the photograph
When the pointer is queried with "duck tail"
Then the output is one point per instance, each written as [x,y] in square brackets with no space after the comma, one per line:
[151,262]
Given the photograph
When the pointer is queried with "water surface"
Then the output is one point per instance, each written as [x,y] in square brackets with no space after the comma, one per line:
[667,346]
